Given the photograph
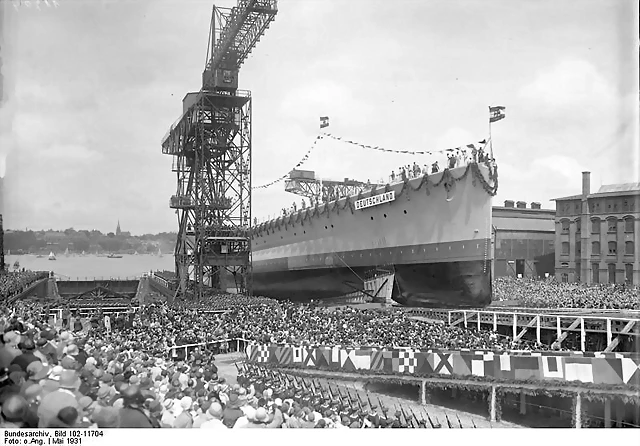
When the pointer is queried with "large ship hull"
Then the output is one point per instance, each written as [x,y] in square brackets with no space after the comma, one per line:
[435,236]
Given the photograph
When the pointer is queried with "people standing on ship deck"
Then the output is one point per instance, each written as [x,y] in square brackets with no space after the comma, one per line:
[435,168]
[393,176]
[481,155]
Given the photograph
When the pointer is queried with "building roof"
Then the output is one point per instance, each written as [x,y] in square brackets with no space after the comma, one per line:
[524,224]
[608,190]
[623,187]
[570,197]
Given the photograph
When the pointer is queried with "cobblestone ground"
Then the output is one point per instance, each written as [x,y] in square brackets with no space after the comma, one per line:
[227,370]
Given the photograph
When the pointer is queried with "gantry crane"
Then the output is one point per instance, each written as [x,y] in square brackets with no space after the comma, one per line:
[211,148]
[305,184]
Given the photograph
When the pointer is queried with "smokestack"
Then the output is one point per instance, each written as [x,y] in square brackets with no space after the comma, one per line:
[521,204]
[508,203]
[535,205]
[586,184]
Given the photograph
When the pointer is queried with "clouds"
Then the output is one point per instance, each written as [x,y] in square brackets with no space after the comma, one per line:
[572,88]
[95,85]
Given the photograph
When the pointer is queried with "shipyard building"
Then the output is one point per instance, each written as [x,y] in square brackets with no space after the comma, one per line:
[523,240]
[596,234]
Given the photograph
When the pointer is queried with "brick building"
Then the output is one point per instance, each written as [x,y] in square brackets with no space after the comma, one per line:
[596,234]
[523,240]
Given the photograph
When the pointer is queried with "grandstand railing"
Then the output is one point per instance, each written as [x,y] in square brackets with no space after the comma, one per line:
[239,343]
[521,321]
[89,278]
[111,311]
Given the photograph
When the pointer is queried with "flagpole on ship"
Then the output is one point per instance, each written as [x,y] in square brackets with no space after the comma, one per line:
[490,139]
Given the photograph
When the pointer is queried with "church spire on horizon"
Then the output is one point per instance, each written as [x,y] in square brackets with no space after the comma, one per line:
[118,231]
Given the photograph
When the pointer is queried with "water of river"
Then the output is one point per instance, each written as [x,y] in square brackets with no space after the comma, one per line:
[90,266]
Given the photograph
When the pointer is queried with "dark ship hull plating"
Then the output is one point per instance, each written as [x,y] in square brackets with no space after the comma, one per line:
[436,240]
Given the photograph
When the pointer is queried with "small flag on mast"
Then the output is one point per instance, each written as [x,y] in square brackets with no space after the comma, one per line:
[496,113]
[324,121]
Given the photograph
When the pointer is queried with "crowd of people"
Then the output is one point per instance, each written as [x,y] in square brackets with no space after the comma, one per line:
[13,283]
[270,321]
[55,379]
[549,293]
[131,370]
[127,375]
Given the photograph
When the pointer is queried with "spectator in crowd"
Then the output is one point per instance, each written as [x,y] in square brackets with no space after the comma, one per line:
[549,293]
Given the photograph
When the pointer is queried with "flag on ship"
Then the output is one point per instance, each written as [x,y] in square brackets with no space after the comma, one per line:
[324,121]
[496,113]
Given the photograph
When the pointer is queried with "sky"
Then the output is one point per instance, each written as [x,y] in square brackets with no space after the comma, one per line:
[91,87]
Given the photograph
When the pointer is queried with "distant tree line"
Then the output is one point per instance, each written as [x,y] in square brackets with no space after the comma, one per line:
[87,241]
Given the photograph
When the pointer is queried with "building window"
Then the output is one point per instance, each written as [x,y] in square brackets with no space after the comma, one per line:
[595,248]
[595,270]
[578,225]
[628,273]
[612,225]
[595,226]
[565,226]
[578,248]
[628,248]
[628,224]
[612,248]
[612,272]
[565,278]
[565,248]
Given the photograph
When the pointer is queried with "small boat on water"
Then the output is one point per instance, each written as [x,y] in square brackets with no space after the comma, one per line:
[16,265]
[83,253]
[39,256]
[113,256]
[159,252]
[66,252]
[52,256]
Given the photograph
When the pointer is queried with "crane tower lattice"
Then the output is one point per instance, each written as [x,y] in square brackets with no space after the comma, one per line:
[211,148]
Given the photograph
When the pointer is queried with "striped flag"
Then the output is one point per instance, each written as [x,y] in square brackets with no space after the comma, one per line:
[324,121]
[496,113]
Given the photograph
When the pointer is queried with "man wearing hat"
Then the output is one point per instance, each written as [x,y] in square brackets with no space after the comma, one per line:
[36,371]
[27,357]
[65,396]
[133,414]
[14,411]
[215,412]
[47,348]
[10,350]
[107,417]
[184,420]
[232,410]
